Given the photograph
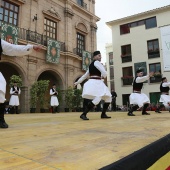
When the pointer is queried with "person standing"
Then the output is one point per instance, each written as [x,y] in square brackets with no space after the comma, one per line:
[114,95]
[15,91]
[11,50]
[165,97]
[138,99]
[54,100]
[95,89]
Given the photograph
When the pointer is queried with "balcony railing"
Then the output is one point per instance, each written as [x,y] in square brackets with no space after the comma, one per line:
[156,79]
[153,54]
[126,58]
[82,4]
[36,37]
[127,80]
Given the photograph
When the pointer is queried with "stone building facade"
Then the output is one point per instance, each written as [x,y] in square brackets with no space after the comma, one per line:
[71,22]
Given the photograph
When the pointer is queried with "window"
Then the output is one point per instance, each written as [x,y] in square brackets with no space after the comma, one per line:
[156,69]
[111,58]
[111,73]
[127,71]
[9,13]
[153,48]
[124,29]
[50,28]
[80,43]
[80,2]
[150,23]
[126,50]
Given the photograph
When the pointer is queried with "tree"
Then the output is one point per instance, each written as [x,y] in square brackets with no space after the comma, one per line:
[17,79]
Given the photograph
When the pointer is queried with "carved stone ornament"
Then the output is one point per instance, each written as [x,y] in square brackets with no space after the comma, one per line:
[52,13]
[68,13]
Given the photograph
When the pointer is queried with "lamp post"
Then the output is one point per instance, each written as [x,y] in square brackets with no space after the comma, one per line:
[35,19]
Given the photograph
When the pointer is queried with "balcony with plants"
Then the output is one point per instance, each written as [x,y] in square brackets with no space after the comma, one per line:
[156,78]
[153,53]
[127,80]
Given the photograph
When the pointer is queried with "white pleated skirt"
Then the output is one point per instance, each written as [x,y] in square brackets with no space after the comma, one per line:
[54,101]
[138,99]
[2,88]
[165,99]
[95,88]
[14,100]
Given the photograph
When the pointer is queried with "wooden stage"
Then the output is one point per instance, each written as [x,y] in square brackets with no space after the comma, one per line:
[45,141]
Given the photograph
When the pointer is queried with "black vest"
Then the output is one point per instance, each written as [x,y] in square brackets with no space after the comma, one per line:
[13,89]
[164,89]
[137,86]
[0,49]
[54,91]
[93,70]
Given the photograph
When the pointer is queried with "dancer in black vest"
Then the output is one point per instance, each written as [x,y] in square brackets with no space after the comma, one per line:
[138,99]
[165,97]
[54,100]
[11,50]
[95,89]
[15,91]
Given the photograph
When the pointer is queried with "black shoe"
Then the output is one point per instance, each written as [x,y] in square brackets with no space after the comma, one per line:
[158,111]
[83,117]
[104,116]
[130,114]
[145,113]
[3,125]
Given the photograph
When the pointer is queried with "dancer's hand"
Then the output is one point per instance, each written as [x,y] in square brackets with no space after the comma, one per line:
[37,47]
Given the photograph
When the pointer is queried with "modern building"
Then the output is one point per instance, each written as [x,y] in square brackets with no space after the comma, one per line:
[72,23]
[109,66]
[141,41]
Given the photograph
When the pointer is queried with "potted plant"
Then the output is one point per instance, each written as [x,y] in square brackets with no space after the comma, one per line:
[33,97]
[69,95]
[42,89]
[77,99]
[17,79]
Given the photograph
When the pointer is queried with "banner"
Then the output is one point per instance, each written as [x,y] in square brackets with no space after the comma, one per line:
[86,60]
[53,51]
[9,33]
[165,37]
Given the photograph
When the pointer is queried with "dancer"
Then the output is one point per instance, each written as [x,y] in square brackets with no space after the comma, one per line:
[54,100]
[11,50]
[138,99]
[165,97]
[95,89]
[15,91]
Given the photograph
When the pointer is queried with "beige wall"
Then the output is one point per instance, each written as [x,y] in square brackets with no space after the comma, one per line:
[71,18]
[138,38]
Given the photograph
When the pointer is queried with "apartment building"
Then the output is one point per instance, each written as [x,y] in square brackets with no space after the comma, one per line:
[71,23]
[141,41]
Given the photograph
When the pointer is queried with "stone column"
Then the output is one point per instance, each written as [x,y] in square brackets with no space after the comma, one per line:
[24,100]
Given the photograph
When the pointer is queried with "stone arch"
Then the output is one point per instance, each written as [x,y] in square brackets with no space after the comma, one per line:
[82,27]
[15,69]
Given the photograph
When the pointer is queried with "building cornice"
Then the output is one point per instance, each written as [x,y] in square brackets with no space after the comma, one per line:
[18,2]
[154,11]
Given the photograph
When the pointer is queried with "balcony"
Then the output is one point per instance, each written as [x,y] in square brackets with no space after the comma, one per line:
[126,58]
[127,80]
[156,78]
[82,4]
[153,54]
[36,37]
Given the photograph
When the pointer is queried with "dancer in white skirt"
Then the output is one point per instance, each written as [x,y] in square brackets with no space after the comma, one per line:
[138,99]
[94,88]
[11,50]
[54,100]
[15,91]
[165,97]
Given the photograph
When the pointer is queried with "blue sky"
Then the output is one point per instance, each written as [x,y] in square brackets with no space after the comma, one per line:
[109,10]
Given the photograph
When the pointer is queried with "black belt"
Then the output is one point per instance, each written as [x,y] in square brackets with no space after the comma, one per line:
[15,94]
[98,78]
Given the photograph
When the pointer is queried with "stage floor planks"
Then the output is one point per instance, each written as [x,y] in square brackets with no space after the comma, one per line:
[45,141]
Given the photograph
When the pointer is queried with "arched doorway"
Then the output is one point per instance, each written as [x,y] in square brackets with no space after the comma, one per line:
[9,69]
[54,78]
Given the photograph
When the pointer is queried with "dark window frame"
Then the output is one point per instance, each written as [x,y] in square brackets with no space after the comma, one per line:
[50,25]
[80,43]
[153,48]
[8,14]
